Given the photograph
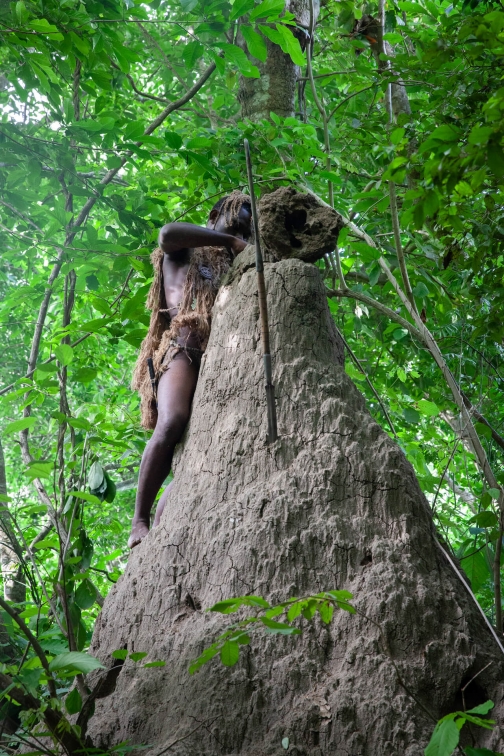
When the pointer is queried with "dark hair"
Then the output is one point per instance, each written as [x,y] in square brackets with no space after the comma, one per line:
[231,205]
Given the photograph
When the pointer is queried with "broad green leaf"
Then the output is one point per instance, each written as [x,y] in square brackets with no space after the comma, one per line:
[19,425]
[120,653]
[494,493]
[138,655]
[240,7]
[476,568]
[42,26]
[39,470]
[483,708]
[85,374]
[75,661]
[269,9]
[428,408]
[85,496]
[64,353]
[73,702]
[255,43]
[485,520]
[444,739]
[291,45]
[173,140]
[237,57]
[154,664]
[230,653]
[279,628]
[85,595]
[22,12]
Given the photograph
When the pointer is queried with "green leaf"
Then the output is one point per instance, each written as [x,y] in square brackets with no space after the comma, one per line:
[494,493]
[22,14]
[291,45]
[92,282]
[154,664]
[326,611]
[241,7]
[64,353]
[428,408]
[237,57]
[85,496]
[470,751]
[485,520]
[173,140]
[255,43]
[279,628]
[192,52]
[75,661]
[138,655]
[39,470]
[230,653]
[476,568]
[411,415]
[120,653]
[270,9]
[85,374]
[73,702]
[96,477]
[86,594]
[496,159]
[188,5]
[397,135]
[444,739]
[42,26]
[483,708]
[19,425]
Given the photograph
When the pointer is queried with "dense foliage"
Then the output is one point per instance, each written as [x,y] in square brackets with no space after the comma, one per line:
[119,115]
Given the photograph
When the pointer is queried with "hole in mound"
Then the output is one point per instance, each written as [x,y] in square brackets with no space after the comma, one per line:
[368,558]
[295,221]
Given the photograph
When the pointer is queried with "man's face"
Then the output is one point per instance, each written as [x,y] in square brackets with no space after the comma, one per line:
[241,227]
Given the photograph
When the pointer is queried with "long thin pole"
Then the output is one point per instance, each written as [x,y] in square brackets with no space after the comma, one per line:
[263,309]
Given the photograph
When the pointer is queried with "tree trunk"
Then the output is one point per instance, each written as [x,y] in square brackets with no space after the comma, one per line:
[332,504]
[14,582]
[275,90]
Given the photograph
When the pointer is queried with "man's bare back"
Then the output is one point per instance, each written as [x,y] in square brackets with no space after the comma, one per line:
[177,383]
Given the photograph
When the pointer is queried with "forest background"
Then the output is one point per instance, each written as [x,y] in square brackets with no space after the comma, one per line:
[119,116]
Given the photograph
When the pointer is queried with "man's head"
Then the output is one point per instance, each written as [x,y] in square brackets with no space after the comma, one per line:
[232,215]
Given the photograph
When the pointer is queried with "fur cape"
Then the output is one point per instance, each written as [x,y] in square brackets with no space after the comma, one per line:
[207,267]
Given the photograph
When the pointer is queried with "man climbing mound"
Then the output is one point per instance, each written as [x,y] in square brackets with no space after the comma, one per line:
[188,266]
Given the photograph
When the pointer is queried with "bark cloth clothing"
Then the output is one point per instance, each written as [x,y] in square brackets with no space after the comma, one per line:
[168,336]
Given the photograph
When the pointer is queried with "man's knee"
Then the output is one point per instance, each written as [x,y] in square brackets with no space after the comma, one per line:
[169,428]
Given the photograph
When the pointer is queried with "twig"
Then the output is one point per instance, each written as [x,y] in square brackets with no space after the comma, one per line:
[357,362]
[36,645]
[389,313]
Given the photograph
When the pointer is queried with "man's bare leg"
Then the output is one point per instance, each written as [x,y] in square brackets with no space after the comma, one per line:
[175,392]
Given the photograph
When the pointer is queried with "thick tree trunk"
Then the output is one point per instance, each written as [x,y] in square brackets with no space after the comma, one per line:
[275,90]
[332,504]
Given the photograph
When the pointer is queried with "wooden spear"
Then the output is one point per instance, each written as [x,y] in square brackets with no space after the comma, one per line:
[263,309]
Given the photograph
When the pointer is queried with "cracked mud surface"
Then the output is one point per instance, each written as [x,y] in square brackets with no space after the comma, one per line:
[332,504]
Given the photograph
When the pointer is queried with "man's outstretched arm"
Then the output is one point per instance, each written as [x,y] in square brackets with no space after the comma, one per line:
[175,237]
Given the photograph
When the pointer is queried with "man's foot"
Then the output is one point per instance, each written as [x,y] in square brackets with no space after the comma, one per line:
[138,532]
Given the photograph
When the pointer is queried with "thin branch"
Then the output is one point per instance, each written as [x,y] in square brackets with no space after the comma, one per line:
[36,645]
[359,366]
[398,245]
[365,299]
[348,97]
